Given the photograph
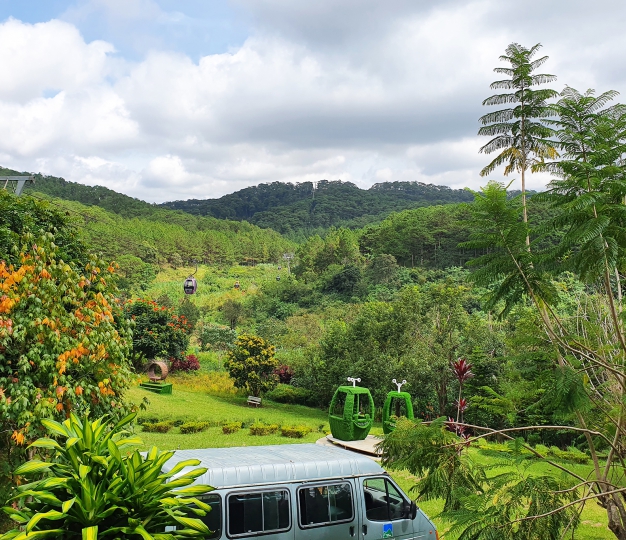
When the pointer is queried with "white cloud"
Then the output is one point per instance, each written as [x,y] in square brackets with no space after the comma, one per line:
[351,90]
[48,56]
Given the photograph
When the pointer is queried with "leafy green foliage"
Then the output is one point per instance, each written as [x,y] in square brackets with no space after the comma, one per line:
[157,427]
[285,393]
[231,427]
[262,429]
[481,505]
[508,264]
[23,215]
[252,365]
[430,452]
[158,331]
[214,336]
[295,432]
[425,237]
[189,311]
[194,427]
[93,488]
[590,187]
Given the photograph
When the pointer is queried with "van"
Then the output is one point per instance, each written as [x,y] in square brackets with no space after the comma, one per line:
[303,492]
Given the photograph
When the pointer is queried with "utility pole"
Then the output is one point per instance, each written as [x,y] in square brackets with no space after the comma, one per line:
[15,184]
[288,257]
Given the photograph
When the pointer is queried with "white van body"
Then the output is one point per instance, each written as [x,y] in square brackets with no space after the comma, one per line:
[303,492]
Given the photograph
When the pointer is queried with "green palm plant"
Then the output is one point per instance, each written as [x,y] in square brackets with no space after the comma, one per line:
[519,133]
[93,486]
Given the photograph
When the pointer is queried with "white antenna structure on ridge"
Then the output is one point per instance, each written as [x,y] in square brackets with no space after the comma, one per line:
[399,384]
[353,380]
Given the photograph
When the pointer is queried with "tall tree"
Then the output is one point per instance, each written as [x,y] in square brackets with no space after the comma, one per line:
[519,132]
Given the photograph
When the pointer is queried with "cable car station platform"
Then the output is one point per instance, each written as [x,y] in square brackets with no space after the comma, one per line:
[367,446]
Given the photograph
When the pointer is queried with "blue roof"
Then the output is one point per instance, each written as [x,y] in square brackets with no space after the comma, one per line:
[254,465]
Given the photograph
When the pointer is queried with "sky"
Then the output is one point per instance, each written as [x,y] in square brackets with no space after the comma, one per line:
[175,99]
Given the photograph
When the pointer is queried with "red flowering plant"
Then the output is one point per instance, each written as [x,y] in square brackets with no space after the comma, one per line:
[158,331]
[462,370]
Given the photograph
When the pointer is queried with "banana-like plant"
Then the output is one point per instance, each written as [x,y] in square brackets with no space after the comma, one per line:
[95,486]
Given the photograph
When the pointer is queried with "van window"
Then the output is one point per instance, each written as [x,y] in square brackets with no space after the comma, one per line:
[260,512]
[322,505]
[383,501]
[213,519]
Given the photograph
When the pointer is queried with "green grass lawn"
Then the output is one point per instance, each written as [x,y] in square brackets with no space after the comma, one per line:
[188,405]
[189,402]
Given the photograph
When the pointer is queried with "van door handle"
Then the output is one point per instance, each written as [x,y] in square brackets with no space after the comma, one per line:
[364,529]
[352,530]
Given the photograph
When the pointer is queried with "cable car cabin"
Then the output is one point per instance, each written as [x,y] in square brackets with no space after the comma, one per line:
[396,405]
[190,285]
[351,413]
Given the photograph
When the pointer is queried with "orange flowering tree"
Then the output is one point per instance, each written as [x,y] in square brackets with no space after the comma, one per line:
[64,344]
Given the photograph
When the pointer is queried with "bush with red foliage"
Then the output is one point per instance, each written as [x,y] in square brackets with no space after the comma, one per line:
[189,363]
[285,374]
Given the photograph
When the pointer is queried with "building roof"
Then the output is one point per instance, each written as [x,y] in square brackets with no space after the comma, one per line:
[254,465]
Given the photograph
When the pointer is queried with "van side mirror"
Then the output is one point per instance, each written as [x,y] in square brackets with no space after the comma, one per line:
[409,511]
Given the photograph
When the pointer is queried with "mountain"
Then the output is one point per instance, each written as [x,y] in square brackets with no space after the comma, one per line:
[297,210]
[303,208]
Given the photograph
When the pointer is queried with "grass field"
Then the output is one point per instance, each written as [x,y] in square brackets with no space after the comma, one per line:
[210,396]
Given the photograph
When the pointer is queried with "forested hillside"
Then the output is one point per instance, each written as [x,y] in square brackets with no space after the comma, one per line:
[296,210]
[299,209]
[161,237]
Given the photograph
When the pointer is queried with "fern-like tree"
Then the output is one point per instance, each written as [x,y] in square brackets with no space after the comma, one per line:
[519,132]
[589,191]
[588,380]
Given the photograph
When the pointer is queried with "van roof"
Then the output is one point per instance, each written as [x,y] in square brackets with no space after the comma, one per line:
[258,465]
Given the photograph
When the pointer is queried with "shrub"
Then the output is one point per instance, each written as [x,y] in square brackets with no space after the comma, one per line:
[285,374]
[251,364]
[259,428]
[193,427]
[158,330]
[231,427]
[189,363]
[285,393]
[147,420]
[214,336]
[295,432]
[571,454]
[111,488]
[157,427]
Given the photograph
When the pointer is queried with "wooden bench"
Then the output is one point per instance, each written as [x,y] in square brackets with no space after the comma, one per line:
[256,401]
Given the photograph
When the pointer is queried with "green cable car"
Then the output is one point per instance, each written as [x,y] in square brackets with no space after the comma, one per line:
[351,412]
[396,405]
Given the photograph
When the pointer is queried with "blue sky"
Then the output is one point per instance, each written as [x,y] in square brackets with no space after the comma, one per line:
[165,99]
[193,28]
